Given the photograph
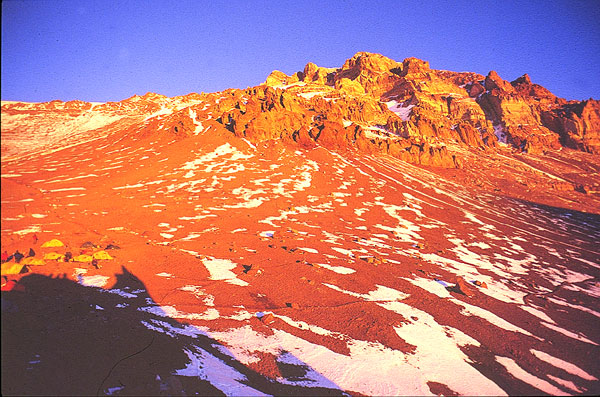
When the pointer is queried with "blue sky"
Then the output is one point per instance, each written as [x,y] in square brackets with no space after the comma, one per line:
[110,50]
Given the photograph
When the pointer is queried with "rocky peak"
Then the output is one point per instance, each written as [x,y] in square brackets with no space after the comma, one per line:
[369,63]
[577,123]
[316,74]
[375,73]
[522,80]
[525,87]
[149,97]
[310,69]
[440,106]
[413,66]
[495,82]
[152,96]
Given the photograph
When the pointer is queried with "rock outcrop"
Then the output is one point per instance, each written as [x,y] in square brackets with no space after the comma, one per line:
[443,107]
[578,124]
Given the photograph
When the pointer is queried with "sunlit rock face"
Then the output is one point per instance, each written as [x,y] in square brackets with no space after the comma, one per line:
[381,228]
[446,107]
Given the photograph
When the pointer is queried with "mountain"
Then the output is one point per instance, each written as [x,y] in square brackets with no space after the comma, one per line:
[442,107]
[381,228]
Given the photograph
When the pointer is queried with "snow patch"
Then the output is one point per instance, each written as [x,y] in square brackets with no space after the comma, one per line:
[513,368]
[564,365]
[220,269]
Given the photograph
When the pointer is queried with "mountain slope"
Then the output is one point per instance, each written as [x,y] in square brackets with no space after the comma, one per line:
[301,237]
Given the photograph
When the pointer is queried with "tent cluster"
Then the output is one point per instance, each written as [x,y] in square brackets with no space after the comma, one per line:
[19,263]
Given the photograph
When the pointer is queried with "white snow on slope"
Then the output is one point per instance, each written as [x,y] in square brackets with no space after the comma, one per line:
[37,134]
[371,368]
[220,269]
[564,365]
[513,368]
[500,133]
[402,111]
[208,367]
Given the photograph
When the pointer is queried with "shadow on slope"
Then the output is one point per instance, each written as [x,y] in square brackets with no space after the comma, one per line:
[584,227]
[589,218]
[62,338]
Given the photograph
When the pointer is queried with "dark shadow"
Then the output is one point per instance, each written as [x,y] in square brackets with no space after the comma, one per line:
[559,223]
[63,338]
[577,216]
[594,218]
[293,369]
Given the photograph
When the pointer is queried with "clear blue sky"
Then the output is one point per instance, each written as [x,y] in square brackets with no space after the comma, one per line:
[110,50]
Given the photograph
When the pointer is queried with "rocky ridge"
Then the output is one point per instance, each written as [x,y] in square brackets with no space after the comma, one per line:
[371,103]
[441,107]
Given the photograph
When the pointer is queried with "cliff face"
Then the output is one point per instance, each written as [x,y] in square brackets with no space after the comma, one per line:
[577,123]
[443,107]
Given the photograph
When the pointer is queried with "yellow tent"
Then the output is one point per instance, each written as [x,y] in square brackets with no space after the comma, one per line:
[33,261]
[54,256]
[83,258]
[101,255]
[13,268]
[53,243]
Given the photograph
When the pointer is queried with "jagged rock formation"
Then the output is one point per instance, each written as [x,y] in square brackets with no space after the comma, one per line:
[577,124]
[371,103]
[443,107]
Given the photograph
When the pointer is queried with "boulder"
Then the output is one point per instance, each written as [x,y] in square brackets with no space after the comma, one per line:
[463,287]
